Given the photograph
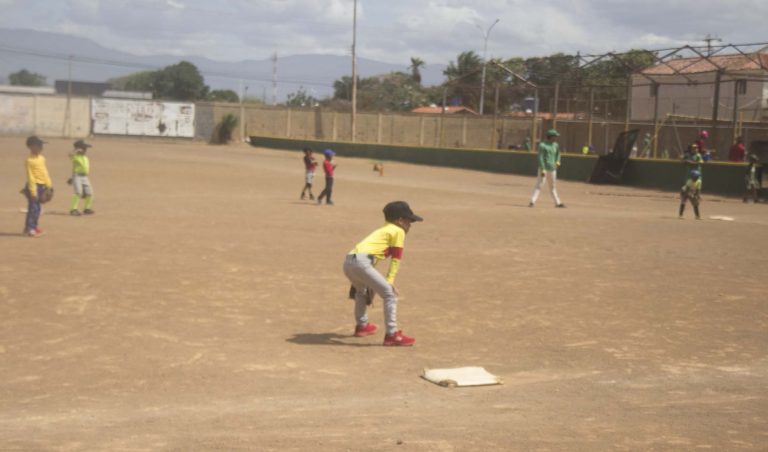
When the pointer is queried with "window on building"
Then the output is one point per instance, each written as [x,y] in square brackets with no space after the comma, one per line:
[654,89]
[741,87]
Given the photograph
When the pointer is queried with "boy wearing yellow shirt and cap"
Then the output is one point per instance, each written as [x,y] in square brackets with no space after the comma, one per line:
[81,167]
[359,266]
[38,181]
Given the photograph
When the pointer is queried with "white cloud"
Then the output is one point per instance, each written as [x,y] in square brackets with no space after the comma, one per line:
[175,4]
[392,30]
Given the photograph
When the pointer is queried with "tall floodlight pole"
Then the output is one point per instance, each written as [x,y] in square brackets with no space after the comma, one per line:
[354,70]
[485,64]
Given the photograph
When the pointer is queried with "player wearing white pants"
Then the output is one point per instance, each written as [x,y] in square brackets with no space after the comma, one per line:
[543,175]
[549,161]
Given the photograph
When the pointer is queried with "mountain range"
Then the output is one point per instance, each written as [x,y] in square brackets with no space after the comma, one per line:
[49,54]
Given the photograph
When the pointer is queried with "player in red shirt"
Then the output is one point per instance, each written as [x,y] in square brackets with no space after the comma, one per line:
[738,151]
[309,165]
[702,144]
[328,167]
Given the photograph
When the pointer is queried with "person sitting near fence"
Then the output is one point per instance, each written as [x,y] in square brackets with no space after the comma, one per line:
[706,154]
[738,150]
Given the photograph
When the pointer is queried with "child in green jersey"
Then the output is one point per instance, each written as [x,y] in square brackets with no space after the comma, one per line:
[691,191]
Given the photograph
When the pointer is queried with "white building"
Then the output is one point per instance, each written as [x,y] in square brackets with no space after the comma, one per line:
[687,87]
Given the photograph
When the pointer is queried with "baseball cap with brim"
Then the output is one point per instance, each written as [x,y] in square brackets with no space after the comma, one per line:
[80,144]
[329,153]
[34,140]
[400,209]
[553,133]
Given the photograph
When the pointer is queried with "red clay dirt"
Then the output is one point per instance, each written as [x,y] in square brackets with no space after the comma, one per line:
[203,307]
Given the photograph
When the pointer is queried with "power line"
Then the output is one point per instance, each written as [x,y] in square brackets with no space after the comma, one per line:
[124,64]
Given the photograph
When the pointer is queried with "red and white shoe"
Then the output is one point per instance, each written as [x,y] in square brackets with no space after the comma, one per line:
[398,339]
[37,232]
[365,330]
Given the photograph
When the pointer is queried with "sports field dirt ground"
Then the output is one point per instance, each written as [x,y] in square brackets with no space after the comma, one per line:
[203,307]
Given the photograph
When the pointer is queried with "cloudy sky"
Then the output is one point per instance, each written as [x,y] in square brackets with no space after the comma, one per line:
[389,30]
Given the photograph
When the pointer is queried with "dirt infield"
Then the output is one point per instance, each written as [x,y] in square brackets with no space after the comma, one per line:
[203,307]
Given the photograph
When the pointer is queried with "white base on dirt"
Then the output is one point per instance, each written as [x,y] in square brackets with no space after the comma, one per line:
[461,376]
[721,218]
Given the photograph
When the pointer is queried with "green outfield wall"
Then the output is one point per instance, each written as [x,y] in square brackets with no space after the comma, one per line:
[718,177]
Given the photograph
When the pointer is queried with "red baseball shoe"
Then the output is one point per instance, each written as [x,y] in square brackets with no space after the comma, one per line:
[367,330]
[398,339]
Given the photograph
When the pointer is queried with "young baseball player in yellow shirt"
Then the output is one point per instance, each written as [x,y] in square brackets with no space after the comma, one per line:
[359,266]
[81,167]
[37,182]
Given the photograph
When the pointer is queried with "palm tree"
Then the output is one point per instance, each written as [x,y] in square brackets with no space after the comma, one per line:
[416,64]
[464,77]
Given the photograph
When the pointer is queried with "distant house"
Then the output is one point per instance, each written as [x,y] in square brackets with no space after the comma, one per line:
[36,90]
[449,110]
[78,88]
[686,86]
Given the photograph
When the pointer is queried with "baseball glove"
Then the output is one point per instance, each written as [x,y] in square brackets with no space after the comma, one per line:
[369,294]
[46,195]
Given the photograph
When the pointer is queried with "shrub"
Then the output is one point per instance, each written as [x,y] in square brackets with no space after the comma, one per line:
[225,128]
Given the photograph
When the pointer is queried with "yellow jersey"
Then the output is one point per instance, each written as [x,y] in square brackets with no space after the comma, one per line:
[387,241]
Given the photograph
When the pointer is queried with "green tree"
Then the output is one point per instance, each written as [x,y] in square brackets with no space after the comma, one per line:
[415,67]
[223,95]
[464,78]
[300,99]
[139,81]
[342,88]
[396,91]
[181,81]
[26,78]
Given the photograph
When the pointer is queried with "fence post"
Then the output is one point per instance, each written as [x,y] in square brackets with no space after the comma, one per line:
[735,109]
[288,125]
[628,109]
[716,106]
[334,127]
[657,89]
[421,130]
[378,128]
[554,105]
[589,116]
[463,131]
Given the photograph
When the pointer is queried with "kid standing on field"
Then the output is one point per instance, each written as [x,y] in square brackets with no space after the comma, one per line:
[753,178]
[309,166]
[81,167]
[359,267]
[549,162]
[37,182]
[329,168]
[691,191]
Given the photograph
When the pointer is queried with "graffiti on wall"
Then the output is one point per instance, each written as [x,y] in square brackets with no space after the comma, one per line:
[143,118]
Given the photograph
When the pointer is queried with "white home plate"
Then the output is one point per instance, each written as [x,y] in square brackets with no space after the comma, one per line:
[721,218]
[461,376]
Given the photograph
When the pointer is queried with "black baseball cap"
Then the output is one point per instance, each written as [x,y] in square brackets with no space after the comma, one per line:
[400,209]
[80,144]
[34,140]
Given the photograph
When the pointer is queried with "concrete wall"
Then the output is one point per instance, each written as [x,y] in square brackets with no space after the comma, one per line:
[718,177]
[44,115]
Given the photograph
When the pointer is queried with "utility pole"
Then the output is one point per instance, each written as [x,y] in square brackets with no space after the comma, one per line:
[68,113]
[708,39]
[485,64]
[274,78]
[354,70]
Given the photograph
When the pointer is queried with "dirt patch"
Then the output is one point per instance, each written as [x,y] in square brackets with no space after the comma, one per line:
[204,307]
